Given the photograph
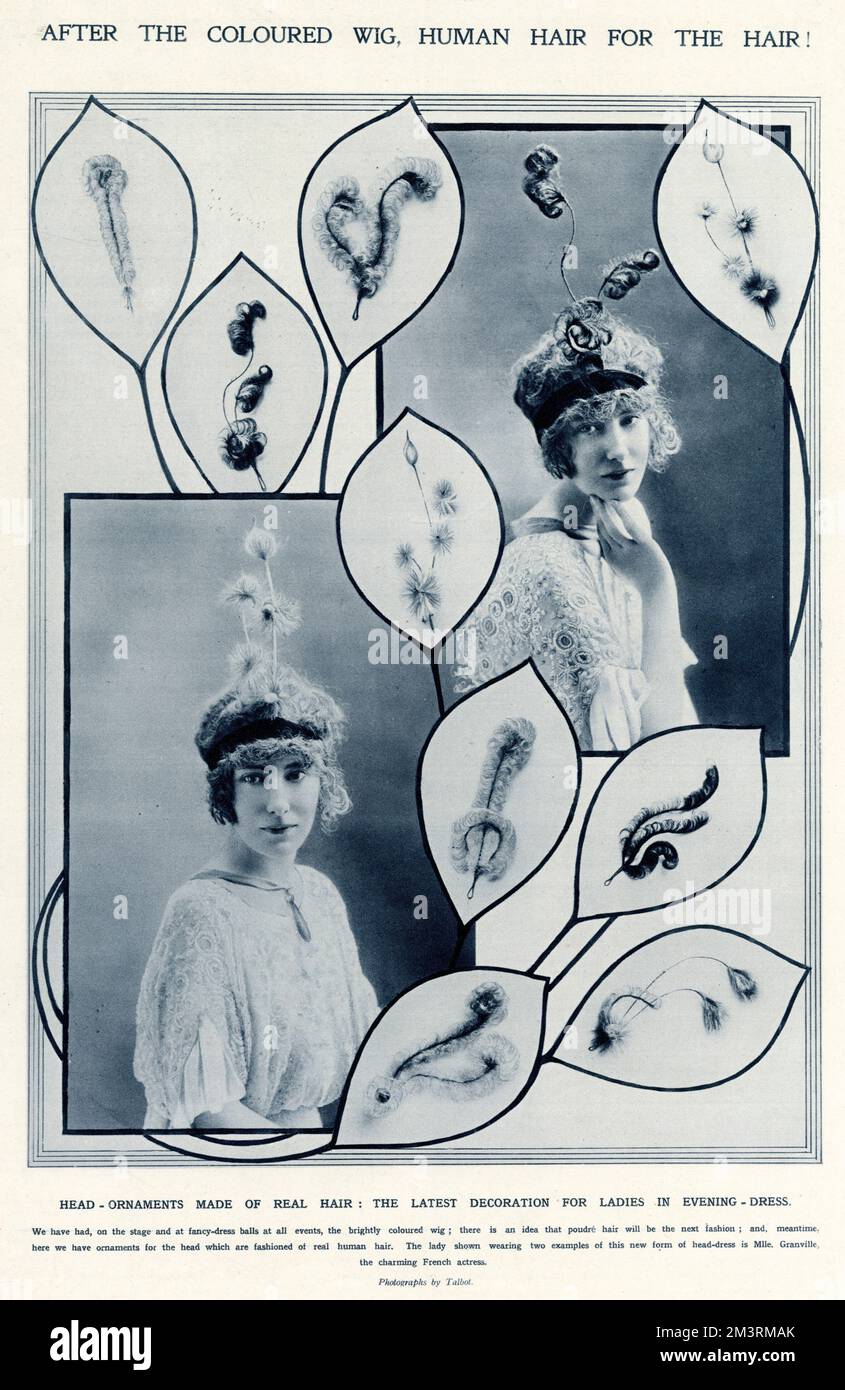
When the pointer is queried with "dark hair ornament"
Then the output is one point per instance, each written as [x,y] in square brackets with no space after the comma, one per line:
[582,330]
[241,442]
[681,816]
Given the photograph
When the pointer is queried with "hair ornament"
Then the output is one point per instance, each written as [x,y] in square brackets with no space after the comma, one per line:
[583,329]
[620,1011]
[460,1063]
[484,840]
[241,441]
[269,701]
[742,224]
[105,180]
[359,236]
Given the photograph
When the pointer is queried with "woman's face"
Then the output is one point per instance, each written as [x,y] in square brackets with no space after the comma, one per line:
[610,457]
[275,804]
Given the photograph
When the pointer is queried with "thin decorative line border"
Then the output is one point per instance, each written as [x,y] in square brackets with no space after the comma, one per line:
[676,109]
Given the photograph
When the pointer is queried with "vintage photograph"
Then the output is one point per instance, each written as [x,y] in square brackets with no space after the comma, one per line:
[420,514]
[638,446]
[246,878]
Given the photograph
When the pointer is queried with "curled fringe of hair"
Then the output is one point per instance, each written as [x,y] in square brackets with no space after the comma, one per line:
[648,400]
[334,799]
[541,370]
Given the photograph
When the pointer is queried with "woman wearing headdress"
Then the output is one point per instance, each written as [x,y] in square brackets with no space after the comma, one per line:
[583,586]
[253,1002]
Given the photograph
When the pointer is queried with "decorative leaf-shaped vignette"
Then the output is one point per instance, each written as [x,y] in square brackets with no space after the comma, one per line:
[420,528]
[447,1058]
[423,233]
[199,363]
[738,224]
[689,1009]
[98,246]
[99,227]
[497,783]
[673,816]
[380,221]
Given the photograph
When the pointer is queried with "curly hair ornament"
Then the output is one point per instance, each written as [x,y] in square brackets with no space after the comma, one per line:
[582,331]
[484,840]
[465,1062]
[678,817]
[105,180]
[361,237]
[241,441]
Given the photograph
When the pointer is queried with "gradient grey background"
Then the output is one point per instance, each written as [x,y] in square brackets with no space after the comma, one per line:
[153,570]
[719,510]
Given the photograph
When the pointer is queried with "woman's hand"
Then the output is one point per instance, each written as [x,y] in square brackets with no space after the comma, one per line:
[629,547]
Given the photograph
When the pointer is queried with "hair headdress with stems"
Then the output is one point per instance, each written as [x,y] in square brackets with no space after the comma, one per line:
[742,224]
[268,701]
[360,238]
[620,1011]
[241,442]
[583,330]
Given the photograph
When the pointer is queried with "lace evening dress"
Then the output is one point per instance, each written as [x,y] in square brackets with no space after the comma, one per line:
[235,1004]
[556,599]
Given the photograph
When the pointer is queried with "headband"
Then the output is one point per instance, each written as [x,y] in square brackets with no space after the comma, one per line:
[251,733]
[591,378]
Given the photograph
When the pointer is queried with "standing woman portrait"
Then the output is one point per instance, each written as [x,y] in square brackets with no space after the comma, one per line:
[583,586]
[253,1002]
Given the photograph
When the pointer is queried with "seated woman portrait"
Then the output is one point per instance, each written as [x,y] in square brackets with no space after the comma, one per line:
[583,586]
[253,1002]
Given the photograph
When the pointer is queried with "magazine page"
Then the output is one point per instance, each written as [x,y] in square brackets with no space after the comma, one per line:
[413,839]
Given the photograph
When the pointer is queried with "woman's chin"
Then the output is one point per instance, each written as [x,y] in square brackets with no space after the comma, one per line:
[622,491]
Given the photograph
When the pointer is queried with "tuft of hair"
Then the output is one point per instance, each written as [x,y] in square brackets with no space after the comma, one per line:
[713,1014]
[742,983]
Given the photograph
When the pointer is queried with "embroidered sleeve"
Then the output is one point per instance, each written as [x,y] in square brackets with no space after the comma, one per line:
[555,603]
[190,1046]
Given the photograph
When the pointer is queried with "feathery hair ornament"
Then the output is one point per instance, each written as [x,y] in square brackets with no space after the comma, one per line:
[105,180]
[360,237]
[484,840]
[269,700]
[583,329]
